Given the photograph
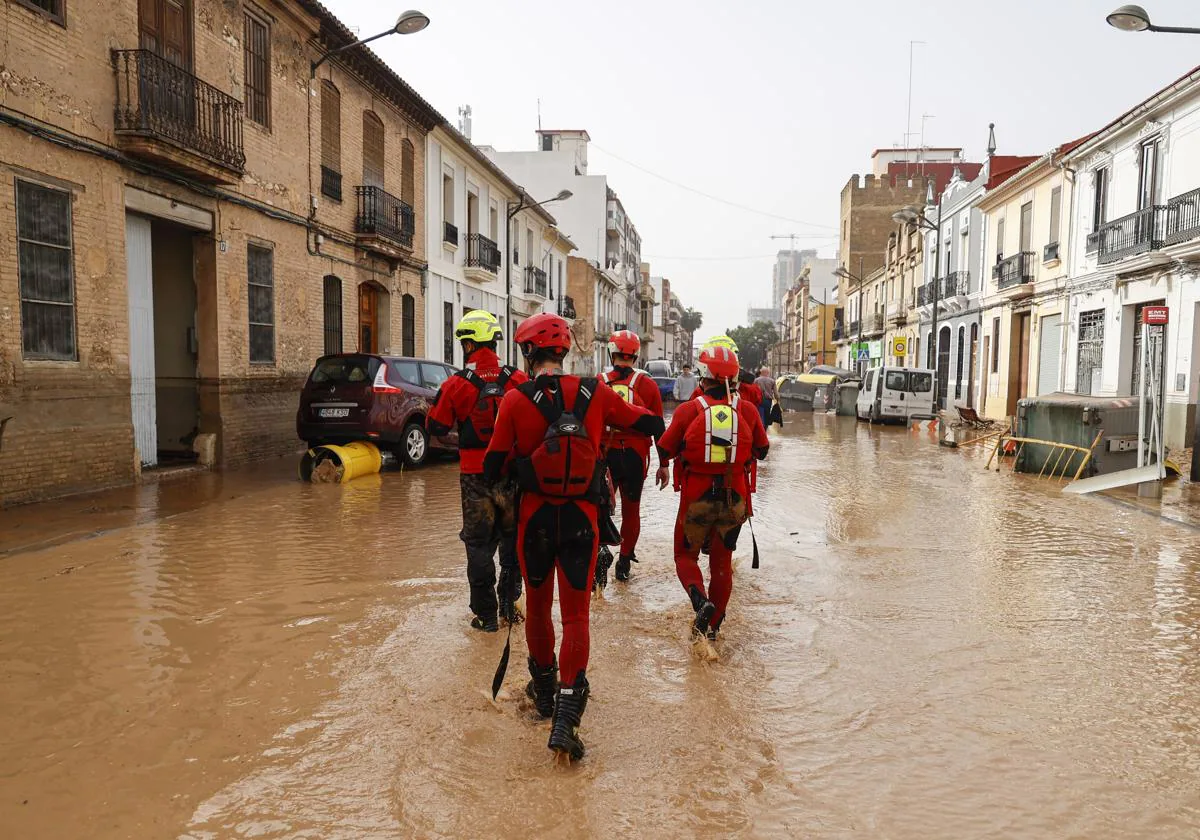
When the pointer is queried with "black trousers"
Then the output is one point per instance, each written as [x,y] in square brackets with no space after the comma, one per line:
[489,522]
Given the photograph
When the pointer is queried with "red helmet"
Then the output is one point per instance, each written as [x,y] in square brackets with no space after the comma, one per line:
[718,361]
[624,342]
[543,332]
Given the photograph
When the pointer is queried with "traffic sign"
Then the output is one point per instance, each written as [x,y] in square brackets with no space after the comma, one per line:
[899,346]
[1155,315]
[864,355]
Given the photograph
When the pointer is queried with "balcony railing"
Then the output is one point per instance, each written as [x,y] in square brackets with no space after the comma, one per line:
[450,233]
[331,183]
[158,99]
[1183,218]
[1013,271]
[535,281]
[925,294]
[566,306]
[382,214]
[1129,235]
[873,323]
[839,331]
[956,284]
[855,329]
[483,253]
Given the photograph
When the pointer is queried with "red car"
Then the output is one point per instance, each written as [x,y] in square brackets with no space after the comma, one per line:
[381,399]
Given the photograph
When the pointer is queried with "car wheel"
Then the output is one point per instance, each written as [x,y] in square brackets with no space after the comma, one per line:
[414,445]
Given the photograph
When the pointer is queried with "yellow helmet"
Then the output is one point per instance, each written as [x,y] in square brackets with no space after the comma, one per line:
[479,326]
[721,341]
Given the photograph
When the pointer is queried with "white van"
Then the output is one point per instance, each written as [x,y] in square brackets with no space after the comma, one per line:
[892,393]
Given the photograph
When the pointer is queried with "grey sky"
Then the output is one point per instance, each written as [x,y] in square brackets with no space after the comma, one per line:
[771,104]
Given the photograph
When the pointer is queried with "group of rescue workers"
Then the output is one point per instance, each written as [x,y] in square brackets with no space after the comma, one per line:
[545,458]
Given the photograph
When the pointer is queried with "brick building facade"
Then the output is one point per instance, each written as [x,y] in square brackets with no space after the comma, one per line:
[184,228]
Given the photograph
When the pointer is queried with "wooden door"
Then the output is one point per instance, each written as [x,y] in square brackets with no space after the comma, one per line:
[1018,379]
[368,319]
[165,28]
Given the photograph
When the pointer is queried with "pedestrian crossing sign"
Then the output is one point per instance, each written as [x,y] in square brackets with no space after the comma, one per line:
[864,355]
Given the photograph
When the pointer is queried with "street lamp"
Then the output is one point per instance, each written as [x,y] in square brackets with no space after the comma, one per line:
[913,217]
[855,278]
[513,210]
[1132,18]
[1135,19]
[408,23]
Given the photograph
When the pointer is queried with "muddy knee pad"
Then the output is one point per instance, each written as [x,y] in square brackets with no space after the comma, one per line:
[478,509]
[730,519]
[576,546]
[699,517]
[540,544]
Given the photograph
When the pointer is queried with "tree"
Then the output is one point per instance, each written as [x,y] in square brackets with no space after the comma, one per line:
[754,342]
[691,320]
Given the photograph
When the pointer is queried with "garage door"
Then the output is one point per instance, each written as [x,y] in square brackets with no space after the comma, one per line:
[1049,354]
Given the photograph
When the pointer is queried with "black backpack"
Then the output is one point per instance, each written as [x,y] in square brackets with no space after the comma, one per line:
[475,431]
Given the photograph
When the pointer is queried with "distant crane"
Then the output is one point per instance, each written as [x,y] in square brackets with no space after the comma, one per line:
[791,237]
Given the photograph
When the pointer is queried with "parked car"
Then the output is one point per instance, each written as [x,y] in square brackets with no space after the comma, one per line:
[659,367]
[891,393]
[666,386]
[381,399]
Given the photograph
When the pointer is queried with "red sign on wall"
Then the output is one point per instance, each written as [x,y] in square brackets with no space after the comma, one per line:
[1155,315]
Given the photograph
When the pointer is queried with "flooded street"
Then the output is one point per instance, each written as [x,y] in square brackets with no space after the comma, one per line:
[928,651]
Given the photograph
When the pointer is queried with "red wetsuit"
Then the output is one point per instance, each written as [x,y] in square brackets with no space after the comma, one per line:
[628,454]
[557,537]
[714,497]
[489,518]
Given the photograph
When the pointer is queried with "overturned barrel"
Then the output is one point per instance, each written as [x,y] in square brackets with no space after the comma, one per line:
[331,464]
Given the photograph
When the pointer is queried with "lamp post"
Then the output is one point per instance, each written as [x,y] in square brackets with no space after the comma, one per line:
[855,278]
[913,217]
[408,23]
[1135,19]
[513,210]
[1132,18]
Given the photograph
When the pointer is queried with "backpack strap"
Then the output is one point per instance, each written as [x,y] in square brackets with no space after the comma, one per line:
[506,372]
[550,407]
[472,377]
[583,399]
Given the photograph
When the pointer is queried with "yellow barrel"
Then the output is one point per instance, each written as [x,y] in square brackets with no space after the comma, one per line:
[339,464]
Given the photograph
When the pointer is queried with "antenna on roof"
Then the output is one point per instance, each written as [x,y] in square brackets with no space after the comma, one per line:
[464,121]
[539,113]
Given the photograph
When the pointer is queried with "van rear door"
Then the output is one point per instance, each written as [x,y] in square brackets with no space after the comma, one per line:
[920,393]
[892,392]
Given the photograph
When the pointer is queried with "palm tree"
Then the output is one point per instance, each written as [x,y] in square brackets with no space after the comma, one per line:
[690,323]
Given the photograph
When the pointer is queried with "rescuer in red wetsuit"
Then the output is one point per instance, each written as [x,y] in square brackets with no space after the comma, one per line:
[716,437]
[470,400]
[554,427]
[628,453]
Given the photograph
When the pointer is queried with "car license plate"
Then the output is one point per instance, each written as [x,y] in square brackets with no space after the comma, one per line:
[333,412]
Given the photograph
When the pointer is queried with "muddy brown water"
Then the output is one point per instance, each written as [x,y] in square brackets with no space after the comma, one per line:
[928,651]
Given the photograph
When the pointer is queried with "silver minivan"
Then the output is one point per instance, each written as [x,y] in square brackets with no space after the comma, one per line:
[896,394]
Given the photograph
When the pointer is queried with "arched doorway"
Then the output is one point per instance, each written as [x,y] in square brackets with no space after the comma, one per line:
[943,365]
[368,319]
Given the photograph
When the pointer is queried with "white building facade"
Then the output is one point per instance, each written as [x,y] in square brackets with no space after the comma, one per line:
[1135,229]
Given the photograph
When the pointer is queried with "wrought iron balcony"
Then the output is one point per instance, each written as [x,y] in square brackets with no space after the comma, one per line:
[1183,218]
[873,323]
[956,284]
[855,329]
[482,254]
[839,332]
[535,281]
[383,221]
[450,233]
[1014,271]
[331,183]
[1129,235]
[166,114]
[566,306]
[925,294]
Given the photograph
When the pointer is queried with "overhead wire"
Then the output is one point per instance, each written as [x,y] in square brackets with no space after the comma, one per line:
[709,196]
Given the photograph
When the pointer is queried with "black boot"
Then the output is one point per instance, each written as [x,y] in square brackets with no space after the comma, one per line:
[705,609]
[568,712]
[487,625]
[508,590]
[624,565]
[713,628]
[540,689]
[604,561]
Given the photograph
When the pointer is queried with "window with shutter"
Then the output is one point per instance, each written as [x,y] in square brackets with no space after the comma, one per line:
[372,150]
[53,9]
[408,184]
[260,276]
[331,141]
[257,62]
[408,325]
